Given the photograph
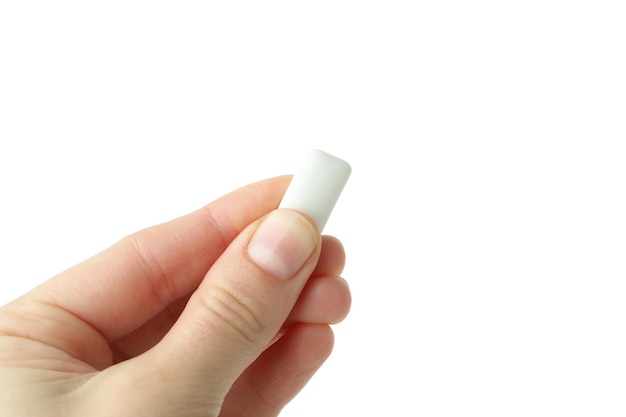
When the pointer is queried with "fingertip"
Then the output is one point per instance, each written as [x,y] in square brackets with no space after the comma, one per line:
[332,257]
[308,344]
[283,243]
[324,300]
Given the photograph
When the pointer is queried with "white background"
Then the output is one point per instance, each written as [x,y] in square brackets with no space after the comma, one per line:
[485,220]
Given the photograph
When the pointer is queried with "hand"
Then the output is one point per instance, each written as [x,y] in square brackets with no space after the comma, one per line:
[222,312]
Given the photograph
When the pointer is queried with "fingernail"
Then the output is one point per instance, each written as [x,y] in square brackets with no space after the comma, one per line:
[282,243]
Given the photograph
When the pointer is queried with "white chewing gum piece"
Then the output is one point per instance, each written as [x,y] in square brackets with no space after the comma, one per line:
[316,186]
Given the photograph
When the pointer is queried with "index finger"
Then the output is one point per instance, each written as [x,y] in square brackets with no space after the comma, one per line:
[121,288]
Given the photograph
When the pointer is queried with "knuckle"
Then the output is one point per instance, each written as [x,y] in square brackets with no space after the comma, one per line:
[233,309]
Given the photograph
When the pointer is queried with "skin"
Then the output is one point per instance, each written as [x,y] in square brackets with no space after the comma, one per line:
[176,319]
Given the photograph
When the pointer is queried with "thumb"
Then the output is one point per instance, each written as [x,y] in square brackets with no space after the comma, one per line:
[248,293]
[236,311]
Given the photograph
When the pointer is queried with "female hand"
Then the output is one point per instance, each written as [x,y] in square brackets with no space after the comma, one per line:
[222,312]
